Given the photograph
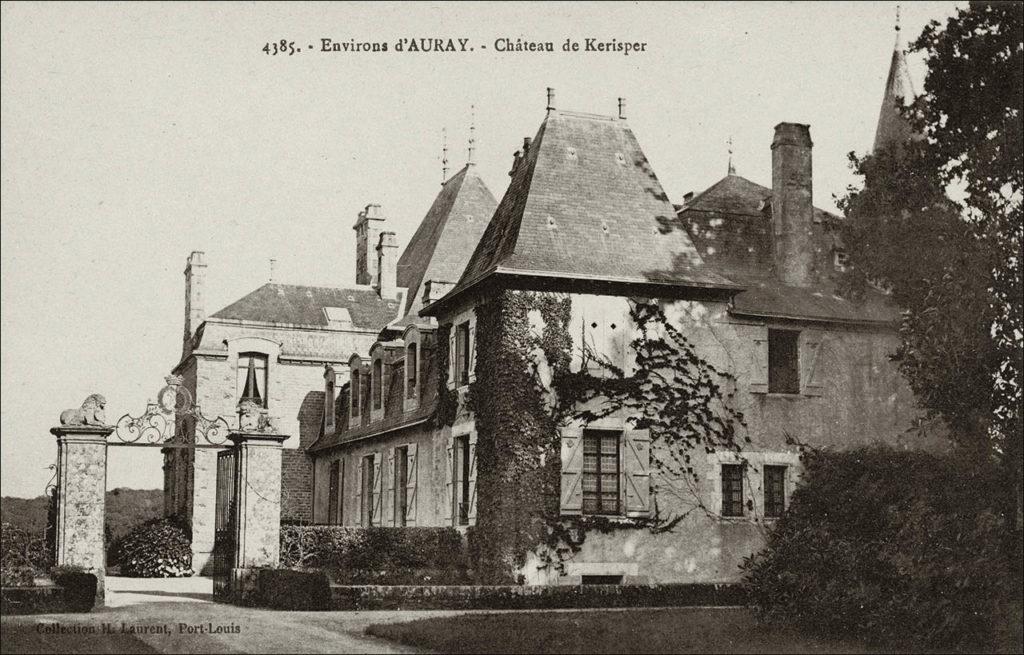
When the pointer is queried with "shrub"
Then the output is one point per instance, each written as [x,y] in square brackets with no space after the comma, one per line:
[378,555]
[158,548]
[293,590]
[22,555]
[903,548]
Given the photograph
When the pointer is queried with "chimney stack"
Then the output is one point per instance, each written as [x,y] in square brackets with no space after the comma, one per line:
[551,100]
[368,227]
[622,109]
[195,296]
[792,208]
[433,290]
[387,266]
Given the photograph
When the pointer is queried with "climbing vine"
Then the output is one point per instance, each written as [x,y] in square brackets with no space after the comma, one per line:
[524,370]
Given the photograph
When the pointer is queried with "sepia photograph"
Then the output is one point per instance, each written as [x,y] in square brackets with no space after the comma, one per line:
[524,327]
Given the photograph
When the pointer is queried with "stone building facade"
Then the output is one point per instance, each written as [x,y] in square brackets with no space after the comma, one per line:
[748,273]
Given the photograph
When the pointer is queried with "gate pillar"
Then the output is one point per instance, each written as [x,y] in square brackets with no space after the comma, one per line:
[257,510]
[81,499]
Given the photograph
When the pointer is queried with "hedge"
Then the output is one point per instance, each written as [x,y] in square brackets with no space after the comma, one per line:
[900,548]
[158,548]
[354,555]
[22,556]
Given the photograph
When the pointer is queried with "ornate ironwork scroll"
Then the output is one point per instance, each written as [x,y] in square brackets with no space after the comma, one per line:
[174,408]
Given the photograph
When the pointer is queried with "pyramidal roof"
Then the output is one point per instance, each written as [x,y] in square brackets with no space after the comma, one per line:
[892,127]
[585,203]
[447,236]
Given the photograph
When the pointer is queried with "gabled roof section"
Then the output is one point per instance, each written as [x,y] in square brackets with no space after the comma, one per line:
[893,128]
[584,202]
[447,236]
[301,305]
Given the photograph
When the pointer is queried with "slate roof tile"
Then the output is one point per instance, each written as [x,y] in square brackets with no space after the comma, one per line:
[304,305]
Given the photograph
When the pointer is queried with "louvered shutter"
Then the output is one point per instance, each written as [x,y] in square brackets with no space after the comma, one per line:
[449,498]
[810,356]
[340,518]
[375,518]
[636,472]
[472,477]
[572,471]
[451,358]
[472,352]
[410,486]
[358,495]
[389,497]
[759,362]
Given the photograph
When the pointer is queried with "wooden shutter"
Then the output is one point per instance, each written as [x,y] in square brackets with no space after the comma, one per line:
[451,358]
[389,497]
[472,354]
[810,355]
[472,475]
[358,495]
[759,362]
[572,471]
[341,492]
[636,471]
[449,498]
[410,485]
[375,518]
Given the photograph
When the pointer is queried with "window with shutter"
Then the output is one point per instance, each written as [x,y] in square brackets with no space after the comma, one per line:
[333,492]
[471,354]
[388,506]
[449,483]
[783,359]
[377,384]
[774,491]
[355,394]
[471,475]
[461,478]
[376,513]
[601,472]
[410,484]
[759,363]
[451,358]
[400,483]
[810,356]
[411,371]
[572,471]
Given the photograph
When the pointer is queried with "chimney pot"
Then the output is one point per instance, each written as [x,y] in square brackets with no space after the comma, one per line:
[526,144]
[387,266]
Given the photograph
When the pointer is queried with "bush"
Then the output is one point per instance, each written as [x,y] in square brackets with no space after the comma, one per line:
[22,555]
[902,548]
[293,590]
[378,555]
[159,548]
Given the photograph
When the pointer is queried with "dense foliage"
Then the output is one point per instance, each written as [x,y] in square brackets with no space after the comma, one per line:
[159,548]
[125,509]
[24,555]
[390,556]
[896,547]
[939,221]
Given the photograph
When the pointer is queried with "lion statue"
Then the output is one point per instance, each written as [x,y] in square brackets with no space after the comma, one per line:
[90,413]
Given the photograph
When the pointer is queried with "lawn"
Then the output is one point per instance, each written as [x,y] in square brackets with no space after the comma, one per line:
[678,630]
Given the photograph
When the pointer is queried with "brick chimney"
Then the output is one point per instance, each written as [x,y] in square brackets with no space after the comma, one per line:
[195,297]
[386,283]
[368,227]
[792,208]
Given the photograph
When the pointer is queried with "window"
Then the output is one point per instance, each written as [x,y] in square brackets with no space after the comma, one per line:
[410,371]
[251,378]
[462,346]
[376,384]
[329,400]
[840,260]
[367,492]
[600,472]
[783,370]
[460,476]
[774,491]
[401,485]
[354,393]
[732,490]
[334,494]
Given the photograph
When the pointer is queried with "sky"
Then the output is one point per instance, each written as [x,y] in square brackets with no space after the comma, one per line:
[132,134]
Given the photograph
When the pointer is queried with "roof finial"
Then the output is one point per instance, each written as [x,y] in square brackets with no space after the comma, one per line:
[472,134]
[899,37]
[897,17]
[732,169]
[273,262]
[444,155]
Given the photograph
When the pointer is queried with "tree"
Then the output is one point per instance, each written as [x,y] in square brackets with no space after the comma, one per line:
[938,220]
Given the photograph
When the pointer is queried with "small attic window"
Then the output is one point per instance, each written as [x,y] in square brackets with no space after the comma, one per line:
[570,152]
[338,317]
[840,260]
[619,157]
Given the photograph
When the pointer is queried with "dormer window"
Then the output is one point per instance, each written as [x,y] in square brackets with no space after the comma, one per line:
[251,378]
[840,260]
[329,399]
[411,370]
[354,395]
[462,346]
[376,384]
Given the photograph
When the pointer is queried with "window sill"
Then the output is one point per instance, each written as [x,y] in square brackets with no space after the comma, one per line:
[790,396]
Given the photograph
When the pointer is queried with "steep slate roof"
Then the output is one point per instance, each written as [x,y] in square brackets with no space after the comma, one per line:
[892,126]
[302,305]
[446,237]
[584,203]
[730,223]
